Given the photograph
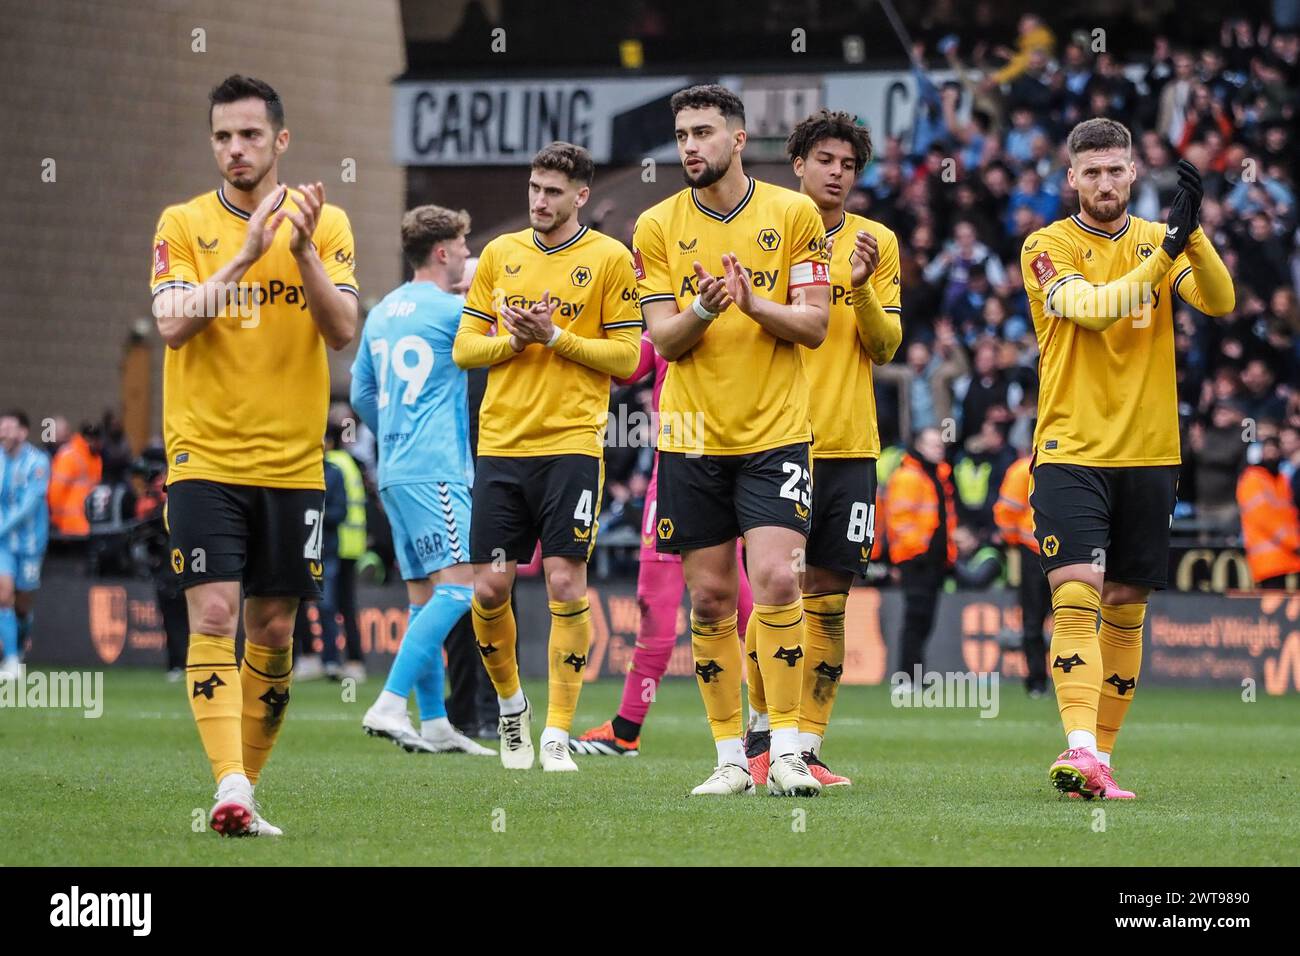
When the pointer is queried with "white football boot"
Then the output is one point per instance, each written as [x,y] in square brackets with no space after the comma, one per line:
[445,739]
[233,813]
[262,828]
[788,776]
[516,739]
[397,728]
[726,781]
[555,757]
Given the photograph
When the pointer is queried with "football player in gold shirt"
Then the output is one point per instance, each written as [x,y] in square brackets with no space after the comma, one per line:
[829,150]
[1106,449]
[251,282]
[563,300]
[734,283]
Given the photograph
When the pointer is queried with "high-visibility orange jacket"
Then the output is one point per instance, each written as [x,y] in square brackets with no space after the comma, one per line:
[1014,517]
[912,510]
[73,473]
[1269,523]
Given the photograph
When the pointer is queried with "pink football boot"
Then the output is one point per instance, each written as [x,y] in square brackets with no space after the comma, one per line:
[1078,771]
[823,773]
[1112,790]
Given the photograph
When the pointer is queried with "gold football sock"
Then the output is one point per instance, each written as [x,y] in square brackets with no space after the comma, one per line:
[212,678]
[824,626]
[716,648]
[779,642]
[567,658]
[265,677]
[753,675]
[1076,655]
[494,632]
[1121,659]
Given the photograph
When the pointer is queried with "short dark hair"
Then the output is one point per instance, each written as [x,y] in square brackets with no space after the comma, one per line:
[17,413]
[827,125]
[707,95]
[236,87]
[574,161]
[1098,133]
[425,226]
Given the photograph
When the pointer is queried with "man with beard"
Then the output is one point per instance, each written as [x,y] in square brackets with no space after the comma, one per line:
[250,282]
[734,278]
[563,300]
[1106,451]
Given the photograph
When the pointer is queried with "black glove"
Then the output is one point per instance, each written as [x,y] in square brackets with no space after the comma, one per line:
[1180,224]
[1189,178]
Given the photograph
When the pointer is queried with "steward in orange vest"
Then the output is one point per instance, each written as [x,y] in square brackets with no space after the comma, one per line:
[921,521]
[74,472]
[912,509]
[1270,526]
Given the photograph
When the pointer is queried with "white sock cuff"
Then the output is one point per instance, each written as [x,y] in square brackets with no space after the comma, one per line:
[1082,740]
[731,750]
[810,741]
[785,741]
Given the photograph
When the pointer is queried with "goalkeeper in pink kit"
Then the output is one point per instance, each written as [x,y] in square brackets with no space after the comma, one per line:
[659,589]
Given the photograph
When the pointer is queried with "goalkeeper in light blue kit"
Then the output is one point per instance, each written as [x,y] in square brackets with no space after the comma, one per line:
[410,393]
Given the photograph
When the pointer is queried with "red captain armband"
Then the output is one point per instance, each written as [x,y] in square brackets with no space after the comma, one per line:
[637,265]
[161,260]
[809,273]
[1043,268]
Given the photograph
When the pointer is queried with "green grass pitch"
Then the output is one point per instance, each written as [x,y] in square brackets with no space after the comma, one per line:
[1216,779]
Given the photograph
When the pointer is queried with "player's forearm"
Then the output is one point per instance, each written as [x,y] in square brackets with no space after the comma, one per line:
[675,335]
[182,314]
[334,311]
[616,356]
[364,400]
[880,332]
[474,349]
[803,323]
[1213,282]
[1098,307]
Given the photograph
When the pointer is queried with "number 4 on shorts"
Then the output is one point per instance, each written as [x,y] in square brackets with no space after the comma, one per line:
[583,511]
